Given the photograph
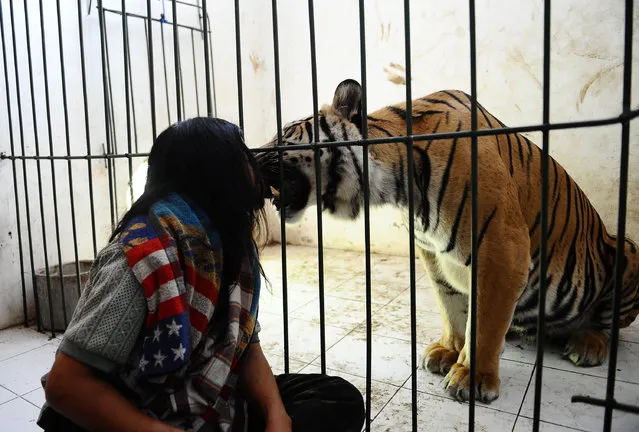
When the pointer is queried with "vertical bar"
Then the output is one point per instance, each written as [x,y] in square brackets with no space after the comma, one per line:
[280,146]
[621,218]
[114,138]
[132,97]
[238,62]
[13,166]
[166,76]
[197,86]
[474,155]
[367,226]
[113,188]
[318,188]
[212,70]
[179,58]
[543,258]
[65,109]
[87,132]
[411,212]
[176,62]
[107,117]
[127,91]
[24,166]
[149,21]
[38,161]
[207,69]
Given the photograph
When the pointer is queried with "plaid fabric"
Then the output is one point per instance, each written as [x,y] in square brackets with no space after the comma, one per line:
[176,256]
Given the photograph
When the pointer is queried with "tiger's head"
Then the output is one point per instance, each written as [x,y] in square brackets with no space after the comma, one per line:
[340,167]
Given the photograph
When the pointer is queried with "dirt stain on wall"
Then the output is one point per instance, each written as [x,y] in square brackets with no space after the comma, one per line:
[257,62]
[396,73]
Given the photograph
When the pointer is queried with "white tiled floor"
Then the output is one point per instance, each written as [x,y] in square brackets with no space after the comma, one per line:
[25,354]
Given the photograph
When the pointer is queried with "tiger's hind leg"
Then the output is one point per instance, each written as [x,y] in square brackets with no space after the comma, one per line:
[439,357]
[587,347]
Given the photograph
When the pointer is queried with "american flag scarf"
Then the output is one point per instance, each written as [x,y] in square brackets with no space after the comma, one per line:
[176,256]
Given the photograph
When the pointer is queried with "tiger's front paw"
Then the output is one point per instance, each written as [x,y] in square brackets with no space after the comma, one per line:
[438,359]
[457,384]
[587,348]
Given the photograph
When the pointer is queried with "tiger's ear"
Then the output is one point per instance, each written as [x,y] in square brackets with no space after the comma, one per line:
[347,101]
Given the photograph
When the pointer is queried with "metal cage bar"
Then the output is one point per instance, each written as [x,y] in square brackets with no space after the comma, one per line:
[207,70]
[16,78]
[280,148]
[127,91]
[176,63]
[195,83]
[474,184]
[87,132]
[238,60]
[36,141]
[543,258]
[107,116]
[411,214]
[621,220]
[65,110]
[367,232]
[149,26]
[318,188]
[56,217]
[13,168]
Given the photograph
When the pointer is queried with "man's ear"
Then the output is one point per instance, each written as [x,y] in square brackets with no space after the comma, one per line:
[347,101]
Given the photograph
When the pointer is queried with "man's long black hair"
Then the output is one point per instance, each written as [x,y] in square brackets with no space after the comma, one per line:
[206,160]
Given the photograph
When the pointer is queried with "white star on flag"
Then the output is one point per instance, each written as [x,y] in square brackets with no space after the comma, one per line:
[156,334]
[174,328]
[179,352]
[159,358]
[143,363]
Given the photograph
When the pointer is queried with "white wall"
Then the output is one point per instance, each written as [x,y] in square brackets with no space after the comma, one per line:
[586,80]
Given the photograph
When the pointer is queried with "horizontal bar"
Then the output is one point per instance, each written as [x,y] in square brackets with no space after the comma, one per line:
[84,157]
[376,141]
[603,403]
[187,4]
[460,134]
[144,17]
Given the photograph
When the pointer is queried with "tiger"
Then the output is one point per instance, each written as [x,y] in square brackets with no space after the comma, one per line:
[580,251]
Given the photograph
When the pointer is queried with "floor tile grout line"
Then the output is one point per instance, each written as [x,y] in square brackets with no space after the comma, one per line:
[10,400]
[403,386]
[386,404]
[358,376]
[327,349]
[336,342]
[519,414]
[450,399]
[556,424]
[29,402]
[589,375]
[523,399]
[16,395]
[50,342]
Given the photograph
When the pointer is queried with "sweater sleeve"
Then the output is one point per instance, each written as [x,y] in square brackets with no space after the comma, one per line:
[109,315]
